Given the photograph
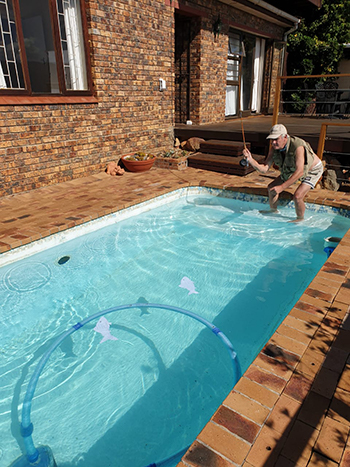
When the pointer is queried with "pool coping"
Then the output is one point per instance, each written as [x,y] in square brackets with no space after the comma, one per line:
[266,420]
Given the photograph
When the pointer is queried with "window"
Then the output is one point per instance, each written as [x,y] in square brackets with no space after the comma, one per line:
[235,51]
[43,48]
[244,79]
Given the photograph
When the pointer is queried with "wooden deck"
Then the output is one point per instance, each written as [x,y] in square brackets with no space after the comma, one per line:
[257,128]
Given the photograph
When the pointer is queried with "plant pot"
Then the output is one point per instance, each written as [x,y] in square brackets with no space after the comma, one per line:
[137,166]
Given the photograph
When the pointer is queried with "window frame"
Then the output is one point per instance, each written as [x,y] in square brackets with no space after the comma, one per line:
[63,91]
[236,57]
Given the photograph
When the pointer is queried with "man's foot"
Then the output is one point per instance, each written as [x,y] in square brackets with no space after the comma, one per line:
[269,211]
[297,220]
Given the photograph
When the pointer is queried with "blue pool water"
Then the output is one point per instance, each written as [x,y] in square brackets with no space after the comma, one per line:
[136,400]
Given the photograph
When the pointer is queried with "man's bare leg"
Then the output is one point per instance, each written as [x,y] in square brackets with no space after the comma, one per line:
[273,197]
[299,196]
[273,201]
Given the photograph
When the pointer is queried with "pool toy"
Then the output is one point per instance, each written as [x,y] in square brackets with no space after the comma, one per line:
[102,327]
[186,283]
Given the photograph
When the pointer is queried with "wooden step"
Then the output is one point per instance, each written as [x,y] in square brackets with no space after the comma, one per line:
[223,164]
[222,147]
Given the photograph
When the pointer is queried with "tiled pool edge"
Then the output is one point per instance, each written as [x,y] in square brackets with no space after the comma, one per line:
[283,411]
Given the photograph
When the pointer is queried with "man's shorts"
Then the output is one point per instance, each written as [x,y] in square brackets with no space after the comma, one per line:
[313,176]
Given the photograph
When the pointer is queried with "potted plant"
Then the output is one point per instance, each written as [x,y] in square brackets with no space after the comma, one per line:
[138,162]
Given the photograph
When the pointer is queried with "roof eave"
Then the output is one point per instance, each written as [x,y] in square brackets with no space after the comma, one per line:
[264,10]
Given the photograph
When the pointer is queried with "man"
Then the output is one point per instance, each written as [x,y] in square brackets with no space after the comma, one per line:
[296,161]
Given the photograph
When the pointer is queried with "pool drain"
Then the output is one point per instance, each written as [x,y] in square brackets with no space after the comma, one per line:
[63,260]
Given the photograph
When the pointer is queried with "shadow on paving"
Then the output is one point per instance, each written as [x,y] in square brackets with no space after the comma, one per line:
[323,399]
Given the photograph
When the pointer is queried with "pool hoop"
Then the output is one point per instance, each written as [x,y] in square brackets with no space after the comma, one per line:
[43,456]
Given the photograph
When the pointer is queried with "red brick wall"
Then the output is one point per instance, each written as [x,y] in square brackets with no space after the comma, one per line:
[277,52]
[132,46]
[213,73]
[209,53]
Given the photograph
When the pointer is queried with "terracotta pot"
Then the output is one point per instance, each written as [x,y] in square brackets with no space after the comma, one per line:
[137,166]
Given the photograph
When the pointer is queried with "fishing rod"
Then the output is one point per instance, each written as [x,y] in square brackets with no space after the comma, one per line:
[242,128]
[243,162]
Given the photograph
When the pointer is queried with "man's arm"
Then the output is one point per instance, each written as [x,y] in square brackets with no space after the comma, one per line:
[262,168]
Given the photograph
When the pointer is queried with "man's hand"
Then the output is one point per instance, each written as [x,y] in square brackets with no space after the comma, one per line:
[247,154]
[262,168]
[276,190]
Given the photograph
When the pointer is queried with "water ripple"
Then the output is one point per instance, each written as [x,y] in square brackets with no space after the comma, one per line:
[27,277]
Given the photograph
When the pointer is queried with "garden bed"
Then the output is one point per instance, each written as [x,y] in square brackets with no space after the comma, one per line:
[175,159]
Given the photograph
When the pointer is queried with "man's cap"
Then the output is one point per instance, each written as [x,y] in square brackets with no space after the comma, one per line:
[276,131]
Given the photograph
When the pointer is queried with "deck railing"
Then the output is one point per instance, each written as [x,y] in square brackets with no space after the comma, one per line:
[313,95]
[318,96]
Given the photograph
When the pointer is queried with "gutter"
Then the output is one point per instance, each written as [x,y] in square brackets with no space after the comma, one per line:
[277,12]
[294,28]
[285,37]
[262,5]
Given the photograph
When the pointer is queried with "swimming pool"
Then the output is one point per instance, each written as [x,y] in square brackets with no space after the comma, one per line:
[240,262]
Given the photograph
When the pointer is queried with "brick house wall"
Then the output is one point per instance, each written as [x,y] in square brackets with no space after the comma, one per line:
[131,48]
[132,45]
[213,73]
[209,55]
[276,57]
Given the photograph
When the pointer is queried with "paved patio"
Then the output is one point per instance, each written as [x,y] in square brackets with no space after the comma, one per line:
[292,406]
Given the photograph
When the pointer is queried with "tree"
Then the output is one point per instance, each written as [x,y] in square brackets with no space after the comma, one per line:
[316,48]
[317,45]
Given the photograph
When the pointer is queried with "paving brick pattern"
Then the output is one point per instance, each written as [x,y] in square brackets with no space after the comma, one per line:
[292,406]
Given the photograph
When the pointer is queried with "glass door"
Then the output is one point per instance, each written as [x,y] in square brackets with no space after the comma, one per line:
[247,72]
[244,81]
[233,73]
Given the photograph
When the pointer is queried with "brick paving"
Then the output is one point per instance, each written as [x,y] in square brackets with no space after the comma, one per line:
[292,406]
